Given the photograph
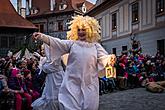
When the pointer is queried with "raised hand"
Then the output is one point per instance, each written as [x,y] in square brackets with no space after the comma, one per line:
[40,36]
[36,36]
[112,60]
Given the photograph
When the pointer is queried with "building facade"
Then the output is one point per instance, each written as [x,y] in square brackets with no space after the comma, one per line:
[14,29]
[52,17]
[122,20]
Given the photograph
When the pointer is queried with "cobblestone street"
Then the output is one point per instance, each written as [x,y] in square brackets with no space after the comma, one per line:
[132,99]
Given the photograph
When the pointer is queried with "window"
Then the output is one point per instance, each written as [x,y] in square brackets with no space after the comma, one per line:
[124,48]
[11,42]
[68,24]
[4,42]
[60,25]
[114,51]
[40,27]
[161,46]
[99,21]
[7,42]
[62,6]
[135,12]
[114,21]
[159,6]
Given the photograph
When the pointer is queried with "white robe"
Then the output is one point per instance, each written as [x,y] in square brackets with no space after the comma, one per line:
[80,87]
[54,70]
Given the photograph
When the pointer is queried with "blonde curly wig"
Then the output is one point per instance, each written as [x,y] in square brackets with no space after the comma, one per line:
[91,26]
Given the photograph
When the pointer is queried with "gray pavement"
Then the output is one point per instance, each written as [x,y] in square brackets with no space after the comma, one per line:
[132,99]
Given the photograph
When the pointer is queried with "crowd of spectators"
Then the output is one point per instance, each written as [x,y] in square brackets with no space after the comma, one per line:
[134,69]
[21,83]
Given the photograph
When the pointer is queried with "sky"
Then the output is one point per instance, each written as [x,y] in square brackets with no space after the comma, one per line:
[92,1]
[14,2]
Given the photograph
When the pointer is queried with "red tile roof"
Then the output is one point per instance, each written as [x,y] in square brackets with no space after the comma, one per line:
[10,18]
[101,7]
[44,6]
[77,3]
[89,5]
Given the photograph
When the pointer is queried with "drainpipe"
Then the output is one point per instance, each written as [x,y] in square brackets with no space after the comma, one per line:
[47,25]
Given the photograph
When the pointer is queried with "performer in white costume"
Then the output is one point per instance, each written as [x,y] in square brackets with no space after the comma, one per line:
[80,86]
[54,70]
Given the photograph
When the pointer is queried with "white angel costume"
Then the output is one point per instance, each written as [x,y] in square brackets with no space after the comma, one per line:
[80,86]
[54,70]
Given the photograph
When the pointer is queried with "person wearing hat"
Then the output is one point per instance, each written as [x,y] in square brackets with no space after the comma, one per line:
[17,84]
[29,84]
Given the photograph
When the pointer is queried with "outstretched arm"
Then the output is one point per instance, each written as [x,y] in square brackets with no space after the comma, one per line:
[57,47]
[104,58]
[40,36]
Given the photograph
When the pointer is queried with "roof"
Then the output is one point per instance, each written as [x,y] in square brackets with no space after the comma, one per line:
[72,5]
[10,18]
[78,3]
[89,5]
[41,6]
[102,7]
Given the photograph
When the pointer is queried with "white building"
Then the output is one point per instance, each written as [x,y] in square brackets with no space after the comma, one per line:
[121,20]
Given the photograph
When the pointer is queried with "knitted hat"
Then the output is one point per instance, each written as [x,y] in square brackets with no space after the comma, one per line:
[14,72]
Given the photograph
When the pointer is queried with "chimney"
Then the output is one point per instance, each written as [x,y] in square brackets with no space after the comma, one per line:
[23,12]
[52,5]
[28,6]
[19,5]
